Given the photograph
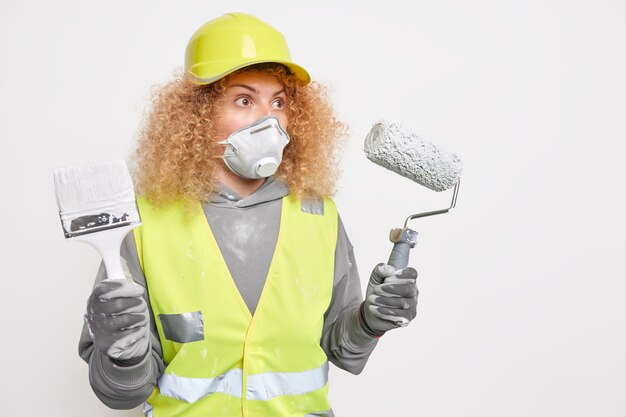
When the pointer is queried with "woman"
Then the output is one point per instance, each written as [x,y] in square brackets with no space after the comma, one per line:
[251,281]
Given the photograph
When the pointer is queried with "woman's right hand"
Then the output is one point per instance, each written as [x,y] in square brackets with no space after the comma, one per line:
[118,319]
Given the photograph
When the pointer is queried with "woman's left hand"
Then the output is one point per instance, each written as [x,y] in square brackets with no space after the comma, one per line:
[390,299]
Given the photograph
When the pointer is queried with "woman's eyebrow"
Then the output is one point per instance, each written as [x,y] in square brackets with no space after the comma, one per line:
[254,90]
[246,87]
[278,92]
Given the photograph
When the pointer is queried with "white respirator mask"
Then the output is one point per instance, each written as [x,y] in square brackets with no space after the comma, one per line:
[256,151]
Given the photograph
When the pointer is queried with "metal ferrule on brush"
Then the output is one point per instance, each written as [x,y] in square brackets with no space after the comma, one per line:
[78,223]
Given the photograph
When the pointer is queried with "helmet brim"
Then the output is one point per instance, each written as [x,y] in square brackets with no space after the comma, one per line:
[209,76]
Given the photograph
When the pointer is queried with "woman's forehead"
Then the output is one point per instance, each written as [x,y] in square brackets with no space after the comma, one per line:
[257,79]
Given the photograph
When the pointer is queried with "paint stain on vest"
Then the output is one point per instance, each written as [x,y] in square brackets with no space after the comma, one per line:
[277,351]
[214,366]
[307,288]
[188,251]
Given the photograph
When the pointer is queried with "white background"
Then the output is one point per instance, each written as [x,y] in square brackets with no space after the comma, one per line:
[521,307]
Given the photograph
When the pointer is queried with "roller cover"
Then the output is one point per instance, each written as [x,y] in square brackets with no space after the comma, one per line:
[396,148]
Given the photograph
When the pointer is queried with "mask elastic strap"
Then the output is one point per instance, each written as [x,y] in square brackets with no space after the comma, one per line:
[229,147]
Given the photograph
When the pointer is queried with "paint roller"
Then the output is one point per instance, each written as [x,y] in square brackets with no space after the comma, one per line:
[396,148]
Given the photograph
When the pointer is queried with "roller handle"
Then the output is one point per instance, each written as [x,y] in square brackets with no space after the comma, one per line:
[404,240]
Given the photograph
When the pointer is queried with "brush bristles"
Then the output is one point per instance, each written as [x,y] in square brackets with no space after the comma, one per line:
[91,186]
[95,196]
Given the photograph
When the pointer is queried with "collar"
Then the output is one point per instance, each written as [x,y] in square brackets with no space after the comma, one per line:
[270,190]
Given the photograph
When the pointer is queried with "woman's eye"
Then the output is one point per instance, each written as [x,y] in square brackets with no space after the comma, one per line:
[243,101]
[278,104]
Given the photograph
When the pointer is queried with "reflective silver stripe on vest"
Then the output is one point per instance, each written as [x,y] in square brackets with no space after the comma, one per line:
[272,384]
[327,413]
[260,387]
[315,206]
[193,389]
[183,327]
[148,410]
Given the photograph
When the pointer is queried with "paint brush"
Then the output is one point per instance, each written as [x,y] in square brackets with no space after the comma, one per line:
[97,206]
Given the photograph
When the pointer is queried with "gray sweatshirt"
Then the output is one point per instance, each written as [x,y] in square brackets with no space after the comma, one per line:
[246,231]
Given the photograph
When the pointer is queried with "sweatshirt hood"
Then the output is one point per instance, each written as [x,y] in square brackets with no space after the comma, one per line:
[271,189]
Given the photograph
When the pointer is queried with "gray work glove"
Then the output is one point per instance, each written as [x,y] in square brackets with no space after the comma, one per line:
[118,319]
[390,299]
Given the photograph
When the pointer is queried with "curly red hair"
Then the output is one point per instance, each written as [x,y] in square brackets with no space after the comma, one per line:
[177,157]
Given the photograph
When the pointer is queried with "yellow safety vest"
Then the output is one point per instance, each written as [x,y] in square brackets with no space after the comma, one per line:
[221,360]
